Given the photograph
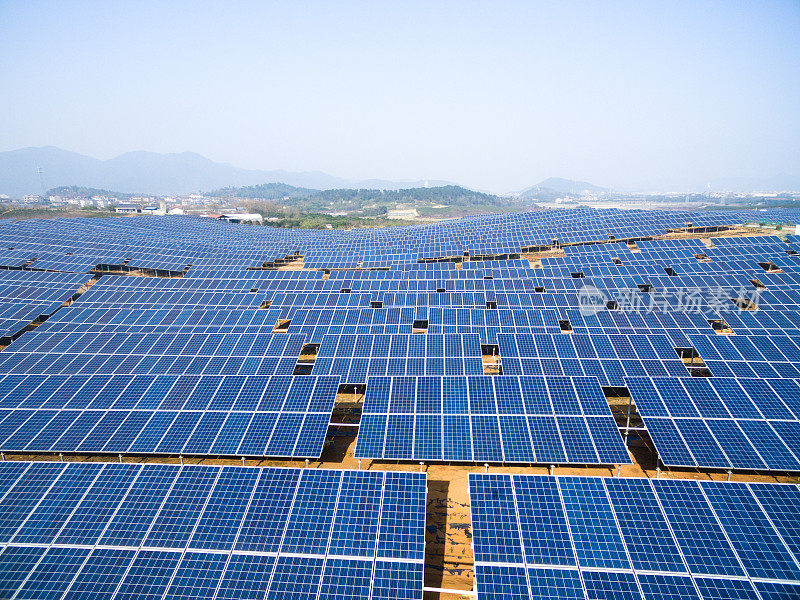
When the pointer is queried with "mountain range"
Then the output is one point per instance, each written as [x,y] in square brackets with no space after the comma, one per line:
[561,186]
[152,173]
[34,170]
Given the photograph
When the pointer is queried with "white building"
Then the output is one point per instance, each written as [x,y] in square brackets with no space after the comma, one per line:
[242,218]
[127,209]
[402,213]
[153,210]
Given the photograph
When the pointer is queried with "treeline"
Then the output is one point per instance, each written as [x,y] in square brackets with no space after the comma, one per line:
[448,194]
[86,192]
[451,195]
[321,221]
[265,191]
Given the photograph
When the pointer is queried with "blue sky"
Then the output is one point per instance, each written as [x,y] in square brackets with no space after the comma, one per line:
[494,95]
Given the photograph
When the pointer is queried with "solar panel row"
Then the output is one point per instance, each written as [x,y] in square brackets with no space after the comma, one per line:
[549,420]
[587,537]
[722,422]
[356,357]
[165,531]
[609,357]
[212,415]
[77,318]
[157,353]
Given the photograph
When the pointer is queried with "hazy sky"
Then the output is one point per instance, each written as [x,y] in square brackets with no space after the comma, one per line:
[494,95]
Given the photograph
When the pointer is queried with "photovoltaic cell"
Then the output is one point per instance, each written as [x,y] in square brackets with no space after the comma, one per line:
[486,419]
[166,531]
[592,537]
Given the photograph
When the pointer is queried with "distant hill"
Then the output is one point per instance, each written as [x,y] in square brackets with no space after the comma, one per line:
[265,191]
[451,195]
[150,173]
[371,201]
[86,192]
[556,186]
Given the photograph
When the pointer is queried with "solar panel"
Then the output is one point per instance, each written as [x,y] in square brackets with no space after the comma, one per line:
[207,531]
[202,415]
[721,422]
[168,352]
[590,537]
[551,420]
[356,357]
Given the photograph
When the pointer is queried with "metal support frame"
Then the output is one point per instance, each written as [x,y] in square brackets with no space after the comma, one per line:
[628,420]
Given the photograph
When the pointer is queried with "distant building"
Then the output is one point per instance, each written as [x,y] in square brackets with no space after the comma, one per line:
[242,217]
[128,209]
[402,213]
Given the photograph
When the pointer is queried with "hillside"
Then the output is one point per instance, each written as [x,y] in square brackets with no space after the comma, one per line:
[86,192]
[151,173]
[448,200]
[265,191]
[553,187]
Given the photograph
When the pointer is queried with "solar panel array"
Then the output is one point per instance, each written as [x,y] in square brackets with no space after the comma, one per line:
[722,422]
[126,531]
[595,538]
[26,297]
[550,420]
[116,291]
[77,318]
[256,415]
[765,356]
[149,242]
[316,324]
[356,357]
[609,357]
[201,361]
[157,353]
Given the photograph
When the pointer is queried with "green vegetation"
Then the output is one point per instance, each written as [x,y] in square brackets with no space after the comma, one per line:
[451,195]
[321,220]
[281,200]
[73,191]
[265,191]
[12,212]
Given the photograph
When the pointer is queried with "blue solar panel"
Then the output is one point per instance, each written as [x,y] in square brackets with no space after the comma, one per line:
[197,357]
[132,530]
[720,422]
[632,538]
[221,417]
[507,419]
